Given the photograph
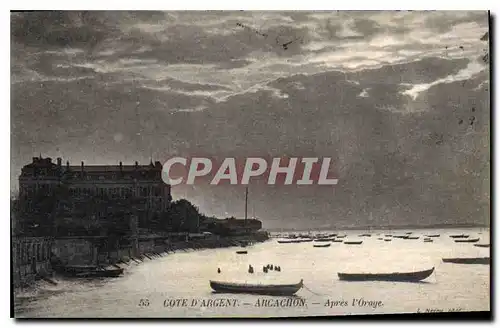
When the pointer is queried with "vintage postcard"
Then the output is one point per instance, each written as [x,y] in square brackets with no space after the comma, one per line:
[244,164]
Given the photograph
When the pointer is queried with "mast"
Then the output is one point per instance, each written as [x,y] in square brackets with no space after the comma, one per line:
[246,203]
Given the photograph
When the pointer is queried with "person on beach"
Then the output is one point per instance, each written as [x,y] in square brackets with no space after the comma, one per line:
[250,269]
[218,270]
[264,269]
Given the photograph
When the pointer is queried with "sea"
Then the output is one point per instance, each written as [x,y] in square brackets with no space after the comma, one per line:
[177,285]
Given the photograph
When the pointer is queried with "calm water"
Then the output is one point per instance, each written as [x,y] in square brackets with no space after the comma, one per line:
[185,275]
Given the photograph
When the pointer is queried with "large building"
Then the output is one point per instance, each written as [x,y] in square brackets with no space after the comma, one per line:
[90,193]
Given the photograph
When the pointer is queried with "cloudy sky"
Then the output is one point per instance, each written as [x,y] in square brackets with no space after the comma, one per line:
[399,101]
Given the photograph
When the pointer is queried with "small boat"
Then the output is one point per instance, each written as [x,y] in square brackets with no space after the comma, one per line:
[428,241]
[324,239]
[261,289]
[241,252]
[380,238]
[459,236]
[388,235]
[467,240]
[482,245]
[413,237]
[468,260]
[306,240]
[353,242]
[322,245]
[342,236]
[365,235]
[100,272]
[401,237]
[387,239]
[286,241]
[408,233]
[432,235]
[337,241]
[393,276]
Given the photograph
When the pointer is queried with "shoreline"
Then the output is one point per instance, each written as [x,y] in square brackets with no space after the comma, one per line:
[122,262]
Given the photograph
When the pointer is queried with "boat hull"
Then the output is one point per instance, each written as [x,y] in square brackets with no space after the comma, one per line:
[325,245]
[471,260]
[87,272]
[353,242]
[271,290]
[395,276]
[467,240]
[482,245]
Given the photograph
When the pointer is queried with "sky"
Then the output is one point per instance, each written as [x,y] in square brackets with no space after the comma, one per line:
[398,99]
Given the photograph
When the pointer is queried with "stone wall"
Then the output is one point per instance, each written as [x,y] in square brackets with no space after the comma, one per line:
[30,257]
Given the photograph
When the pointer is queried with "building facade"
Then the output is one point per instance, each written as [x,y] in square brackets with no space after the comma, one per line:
[90,194]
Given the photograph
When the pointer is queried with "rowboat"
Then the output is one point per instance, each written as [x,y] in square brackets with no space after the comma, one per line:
[468,260]
[83,271]
[291,241]
[324,239]
[342,236]
[413,237]
[261,289]
[353,242]
[100,273]
[428,241]
[402,237]
[482,245]
[322,245]
[467,240]
[459,236]
[241,252]
[432,235]
[365,235]
[387,239]
[393,276]
[337,241]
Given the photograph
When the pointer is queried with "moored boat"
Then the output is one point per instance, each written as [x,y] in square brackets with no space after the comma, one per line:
[401,237]
[437,235]
[365,235]
[468,260]
[241,252]
[413,237]
[459,236]
[387,239]
[475,240]
[324,239]
[261,289]
[291,241]
[428,241]
[322,245]
[392,276]
[482,245]
[337,241]
[101,272]
[84,271]
[353,242]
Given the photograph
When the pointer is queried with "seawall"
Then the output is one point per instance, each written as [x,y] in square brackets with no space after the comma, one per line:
[32,255]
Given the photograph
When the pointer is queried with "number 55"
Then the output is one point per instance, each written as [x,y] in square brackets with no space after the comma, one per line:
[143,302]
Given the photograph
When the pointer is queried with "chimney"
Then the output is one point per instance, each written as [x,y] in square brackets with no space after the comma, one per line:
[59,161]
[82,166]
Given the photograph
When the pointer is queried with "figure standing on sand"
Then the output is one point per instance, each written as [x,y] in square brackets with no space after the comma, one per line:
[250,268]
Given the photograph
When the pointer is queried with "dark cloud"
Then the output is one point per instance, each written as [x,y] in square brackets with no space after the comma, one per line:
[109,86]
